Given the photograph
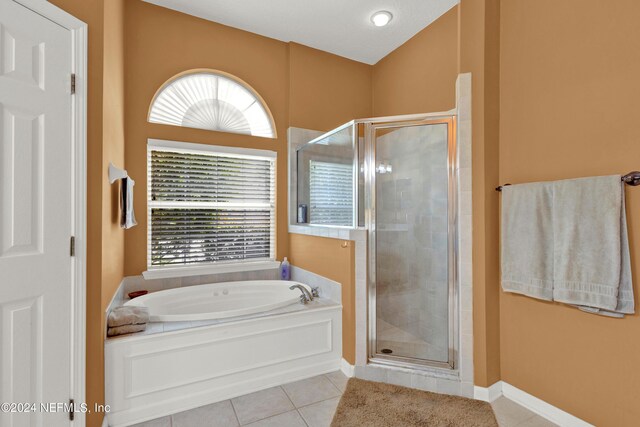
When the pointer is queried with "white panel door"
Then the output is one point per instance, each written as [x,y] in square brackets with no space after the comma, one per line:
[35,215]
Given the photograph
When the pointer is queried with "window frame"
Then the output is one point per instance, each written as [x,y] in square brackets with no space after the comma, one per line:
[155,272]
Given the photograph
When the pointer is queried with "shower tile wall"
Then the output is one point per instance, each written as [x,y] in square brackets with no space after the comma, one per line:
[412,245]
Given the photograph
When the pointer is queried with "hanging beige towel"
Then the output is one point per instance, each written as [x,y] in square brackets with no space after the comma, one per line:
[127,315]
[592,266]
[527,240]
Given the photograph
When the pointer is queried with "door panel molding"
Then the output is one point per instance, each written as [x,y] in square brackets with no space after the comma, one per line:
[79,52]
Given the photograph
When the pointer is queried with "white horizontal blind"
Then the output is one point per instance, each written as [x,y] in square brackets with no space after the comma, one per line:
[209,208]
[331,193]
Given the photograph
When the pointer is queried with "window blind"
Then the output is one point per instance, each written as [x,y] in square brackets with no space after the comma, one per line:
[207,208]
[331,193]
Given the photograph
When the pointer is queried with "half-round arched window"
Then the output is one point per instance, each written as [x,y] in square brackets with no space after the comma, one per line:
[212,100]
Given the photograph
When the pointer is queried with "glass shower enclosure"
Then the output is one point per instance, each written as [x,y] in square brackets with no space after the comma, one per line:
[396,177]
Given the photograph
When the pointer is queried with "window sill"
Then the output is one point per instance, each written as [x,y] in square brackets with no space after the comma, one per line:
[165,273]
[332,232]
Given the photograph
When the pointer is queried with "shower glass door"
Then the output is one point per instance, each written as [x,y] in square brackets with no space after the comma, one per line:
[411,220]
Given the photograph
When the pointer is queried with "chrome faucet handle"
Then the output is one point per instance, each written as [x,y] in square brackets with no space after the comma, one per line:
[315,292]
[306,296]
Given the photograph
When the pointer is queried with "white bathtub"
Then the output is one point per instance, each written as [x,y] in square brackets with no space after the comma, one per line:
[218,300]
[150,375]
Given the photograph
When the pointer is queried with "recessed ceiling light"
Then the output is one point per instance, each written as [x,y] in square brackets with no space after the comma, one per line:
[382,18]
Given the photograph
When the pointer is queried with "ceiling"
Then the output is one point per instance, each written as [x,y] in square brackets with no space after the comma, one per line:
[342,27]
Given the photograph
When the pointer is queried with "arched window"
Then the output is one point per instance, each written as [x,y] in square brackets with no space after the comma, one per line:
[212,100]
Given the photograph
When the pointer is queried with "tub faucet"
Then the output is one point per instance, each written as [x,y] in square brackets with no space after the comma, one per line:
[306,295]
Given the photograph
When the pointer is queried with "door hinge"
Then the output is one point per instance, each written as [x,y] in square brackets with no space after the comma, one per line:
[72,246]
[73,84]
[71,409]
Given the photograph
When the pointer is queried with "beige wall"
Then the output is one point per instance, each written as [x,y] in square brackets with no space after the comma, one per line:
[419,76]
[303,87]
[556,79]
[105,141]
[569,107]
[328,258]
[478,54]
[326,90]
[151,33]
[113,138]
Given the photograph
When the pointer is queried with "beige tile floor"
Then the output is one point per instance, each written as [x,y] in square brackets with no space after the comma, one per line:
[311,402]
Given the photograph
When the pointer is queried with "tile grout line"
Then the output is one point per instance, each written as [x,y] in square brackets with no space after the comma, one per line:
[334,384]
[234,411]
[304,420]
[302,417]
[288,397]
[319,401]
[295,408]
[279,413]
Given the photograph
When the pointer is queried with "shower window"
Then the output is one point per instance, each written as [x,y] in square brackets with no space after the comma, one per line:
[209,205]
[331,193]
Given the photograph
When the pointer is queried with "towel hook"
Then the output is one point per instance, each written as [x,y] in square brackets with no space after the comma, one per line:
[116,173]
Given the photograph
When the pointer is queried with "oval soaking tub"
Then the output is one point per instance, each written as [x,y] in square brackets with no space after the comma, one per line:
[218,300]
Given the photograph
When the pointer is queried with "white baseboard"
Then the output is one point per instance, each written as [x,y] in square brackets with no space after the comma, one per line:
[542,408]
[488,394]
[532,403]
[347,368]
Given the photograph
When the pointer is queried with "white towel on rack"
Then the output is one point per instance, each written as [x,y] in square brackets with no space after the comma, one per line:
[592,266]
[527,240]
[127,218]
[567,241]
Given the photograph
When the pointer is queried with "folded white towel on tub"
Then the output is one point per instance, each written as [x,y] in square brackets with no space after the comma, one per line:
[128,315]
[125,329]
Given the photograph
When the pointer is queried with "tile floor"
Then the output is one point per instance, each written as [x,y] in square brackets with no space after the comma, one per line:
[311,402]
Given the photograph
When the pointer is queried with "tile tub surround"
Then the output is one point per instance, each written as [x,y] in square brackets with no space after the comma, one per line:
[311,402]
[137,283]
[328,289]
[160,327]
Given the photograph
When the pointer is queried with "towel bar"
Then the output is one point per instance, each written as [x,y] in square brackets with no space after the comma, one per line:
[632,178]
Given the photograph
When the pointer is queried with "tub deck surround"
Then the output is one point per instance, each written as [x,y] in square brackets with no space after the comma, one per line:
[136,283]
[175,366]
[148,376]
[219,300]
[172,326]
